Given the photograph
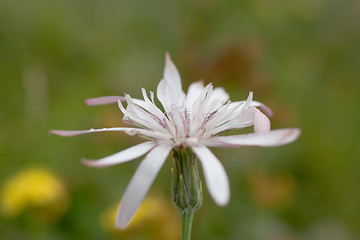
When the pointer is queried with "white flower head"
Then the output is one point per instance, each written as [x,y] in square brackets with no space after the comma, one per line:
[195,120]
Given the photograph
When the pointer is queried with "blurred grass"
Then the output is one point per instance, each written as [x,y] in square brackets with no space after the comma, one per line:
[299,57]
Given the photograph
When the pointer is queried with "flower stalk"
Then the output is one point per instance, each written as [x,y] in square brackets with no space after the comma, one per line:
[186,224]
[186,188]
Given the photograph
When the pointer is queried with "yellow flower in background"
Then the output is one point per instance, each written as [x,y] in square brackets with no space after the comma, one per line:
[155,219]
[33,188]
[270,190]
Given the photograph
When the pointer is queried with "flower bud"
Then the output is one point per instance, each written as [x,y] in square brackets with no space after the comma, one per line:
[186,188]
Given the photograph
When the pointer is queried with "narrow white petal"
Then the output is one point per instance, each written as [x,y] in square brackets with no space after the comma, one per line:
[197,115]
[223,114]
[215,175]
[266,139]
[140,184]
[245,119]
[103,100]
[154,111]
[178,121]
[142,116]
[230,112]
[70,133]
[149,105]
[249,100]
[218,98]
[129,131]
[262,123]
[148,134]
[121,157]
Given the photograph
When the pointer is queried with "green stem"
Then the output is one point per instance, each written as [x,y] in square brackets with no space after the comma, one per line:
[186,224]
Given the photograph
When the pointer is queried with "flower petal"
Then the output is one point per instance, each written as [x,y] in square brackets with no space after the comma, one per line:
[197,116]
[215,175]
[140,116]
[103,100]
[194,90]
[129,131]
[171,74]
[140,184]
[149,105]
[169,90]
[161,95]
[245,119]
[262,123]
[218,98]
[123,156]
[229,112]
[267,139]
[263,107]
[70,133]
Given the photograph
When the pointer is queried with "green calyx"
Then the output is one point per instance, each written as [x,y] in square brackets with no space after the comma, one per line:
[186,188]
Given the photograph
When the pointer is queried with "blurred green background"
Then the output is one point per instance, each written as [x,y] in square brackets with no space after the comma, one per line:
[299,57]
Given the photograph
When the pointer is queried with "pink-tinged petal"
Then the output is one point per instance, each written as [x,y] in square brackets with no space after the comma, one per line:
[70,133]
[171,74]
[263,107]
[130,131]
[121,157]
[216,179]
[140,184]
[262,123]
[267,139]
[103,100]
